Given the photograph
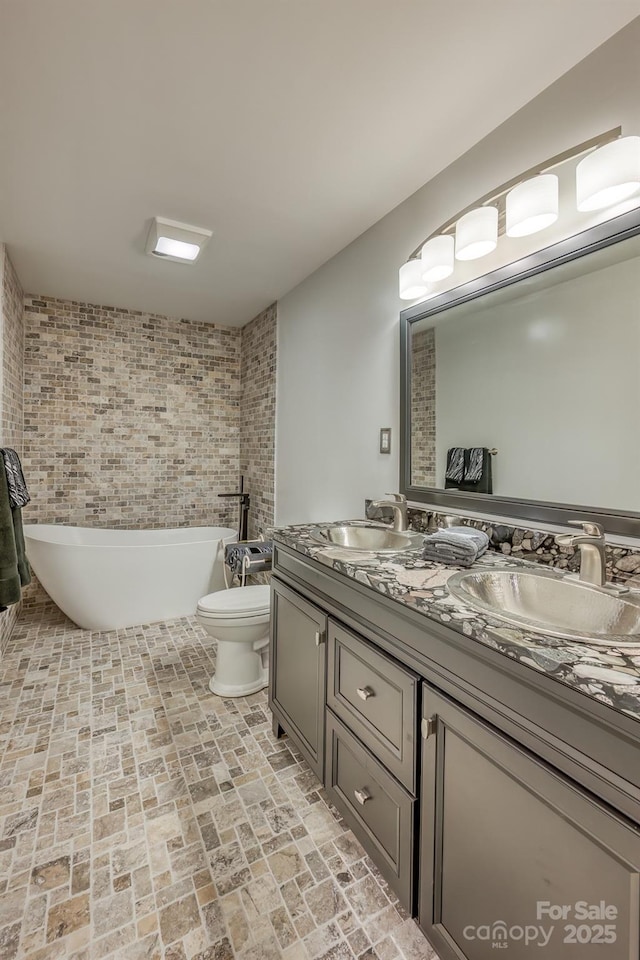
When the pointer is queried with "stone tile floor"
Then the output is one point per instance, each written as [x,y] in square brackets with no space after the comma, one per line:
[141,817]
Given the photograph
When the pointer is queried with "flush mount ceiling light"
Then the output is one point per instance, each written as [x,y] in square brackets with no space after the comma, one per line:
[412,285]
[172,240]
[477,233]
[437,258]
[609,175]
[532,205]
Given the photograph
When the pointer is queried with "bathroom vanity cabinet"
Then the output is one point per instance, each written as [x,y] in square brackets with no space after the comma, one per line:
[502,806]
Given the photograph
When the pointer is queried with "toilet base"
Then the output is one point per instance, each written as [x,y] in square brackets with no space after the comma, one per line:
[241,668]
[241,690]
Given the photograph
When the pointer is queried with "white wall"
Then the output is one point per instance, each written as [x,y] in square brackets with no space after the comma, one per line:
[552,380]
[338,376]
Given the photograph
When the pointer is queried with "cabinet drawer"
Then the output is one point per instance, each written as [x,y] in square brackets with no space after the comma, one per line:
[377,809]
[376,698]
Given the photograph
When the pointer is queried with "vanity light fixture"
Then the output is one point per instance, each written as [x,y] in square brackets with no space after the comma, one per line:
[606,176]
[437,258]
[477,233]
[532,206]
[172,240]
[609,175]
[412,285]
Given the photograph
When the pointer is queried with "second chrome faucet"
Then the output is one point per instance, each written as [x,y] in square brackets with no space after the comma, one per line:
[591,543]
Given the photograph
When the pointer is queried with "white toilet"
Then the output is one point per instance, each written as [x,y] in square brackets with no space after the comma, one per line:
[239,620]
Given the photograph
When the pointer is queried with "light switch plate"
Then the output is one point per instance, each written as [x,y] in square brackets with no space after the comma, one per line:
[385,439]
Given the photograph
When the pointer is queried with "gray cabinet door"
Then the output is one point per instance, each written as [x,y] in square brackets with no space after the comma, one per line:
[297,672]
[515,856]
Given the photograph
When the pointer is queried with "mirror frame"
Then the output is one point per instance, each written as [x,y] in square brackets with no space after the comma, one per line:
[525,512]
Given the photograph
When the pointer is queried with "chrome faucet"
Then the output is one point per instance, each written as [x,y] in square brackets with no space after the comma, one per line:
[399,506]
[592,545]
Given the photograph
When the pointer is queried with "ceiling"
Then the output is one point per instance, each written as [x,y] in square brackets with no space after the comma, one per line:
[288,127]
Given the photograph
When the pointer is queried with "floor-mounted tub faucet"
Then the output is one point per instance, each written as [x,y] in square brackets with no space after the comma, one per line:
[245,503]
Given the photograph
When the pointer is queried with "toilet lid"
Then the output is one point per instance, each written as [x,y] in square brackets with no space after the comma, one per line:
[239,600]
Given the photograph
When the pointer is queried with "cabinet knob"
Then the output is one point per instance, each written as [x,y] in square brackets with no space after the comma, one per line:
[365,692]
[362,796]
[319,638]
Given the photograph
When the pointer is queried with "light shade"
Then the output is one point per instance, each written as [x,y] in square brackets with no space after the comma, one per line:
[412,285]
[477,233]
[177,249]
[609,175]
[172,240]
[532,205]
[437,258]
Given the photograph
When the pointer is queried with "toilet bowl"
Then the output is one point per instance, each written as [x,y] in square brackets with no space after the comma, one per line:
[239,621]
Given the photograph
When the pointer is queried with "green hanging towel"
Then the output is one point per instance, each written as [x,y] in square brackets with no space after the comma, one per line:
[14,567]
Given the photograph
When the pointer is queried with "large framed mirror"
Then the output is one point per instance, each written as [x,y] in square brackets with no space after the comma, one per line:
[520,391]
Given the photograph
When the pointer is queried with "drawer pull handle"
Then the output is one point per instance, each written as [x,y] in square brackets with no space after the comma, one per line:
[319,638]
[365,692]
[429,727]
[362,796]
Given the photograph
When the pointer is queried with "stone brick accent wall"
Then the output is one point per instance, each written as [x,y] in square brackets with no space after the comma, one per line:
[258,416]
[11,412]
[423,408]
[131,419]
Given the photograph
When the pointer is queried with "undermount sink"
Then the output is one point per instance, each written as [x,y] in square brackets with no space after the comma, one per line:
[550,604]
[372,538]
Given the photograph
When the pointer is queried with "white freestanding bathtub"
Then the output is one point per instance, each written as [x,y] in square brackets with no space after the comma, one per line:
[104,579]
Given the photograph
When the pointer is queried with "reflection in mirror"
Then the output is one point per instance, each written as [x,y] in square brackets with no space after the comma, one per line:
[546,372]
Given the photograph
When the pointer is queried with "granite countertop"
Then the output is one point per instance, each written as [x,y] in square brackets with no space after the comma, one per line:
[609,674]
